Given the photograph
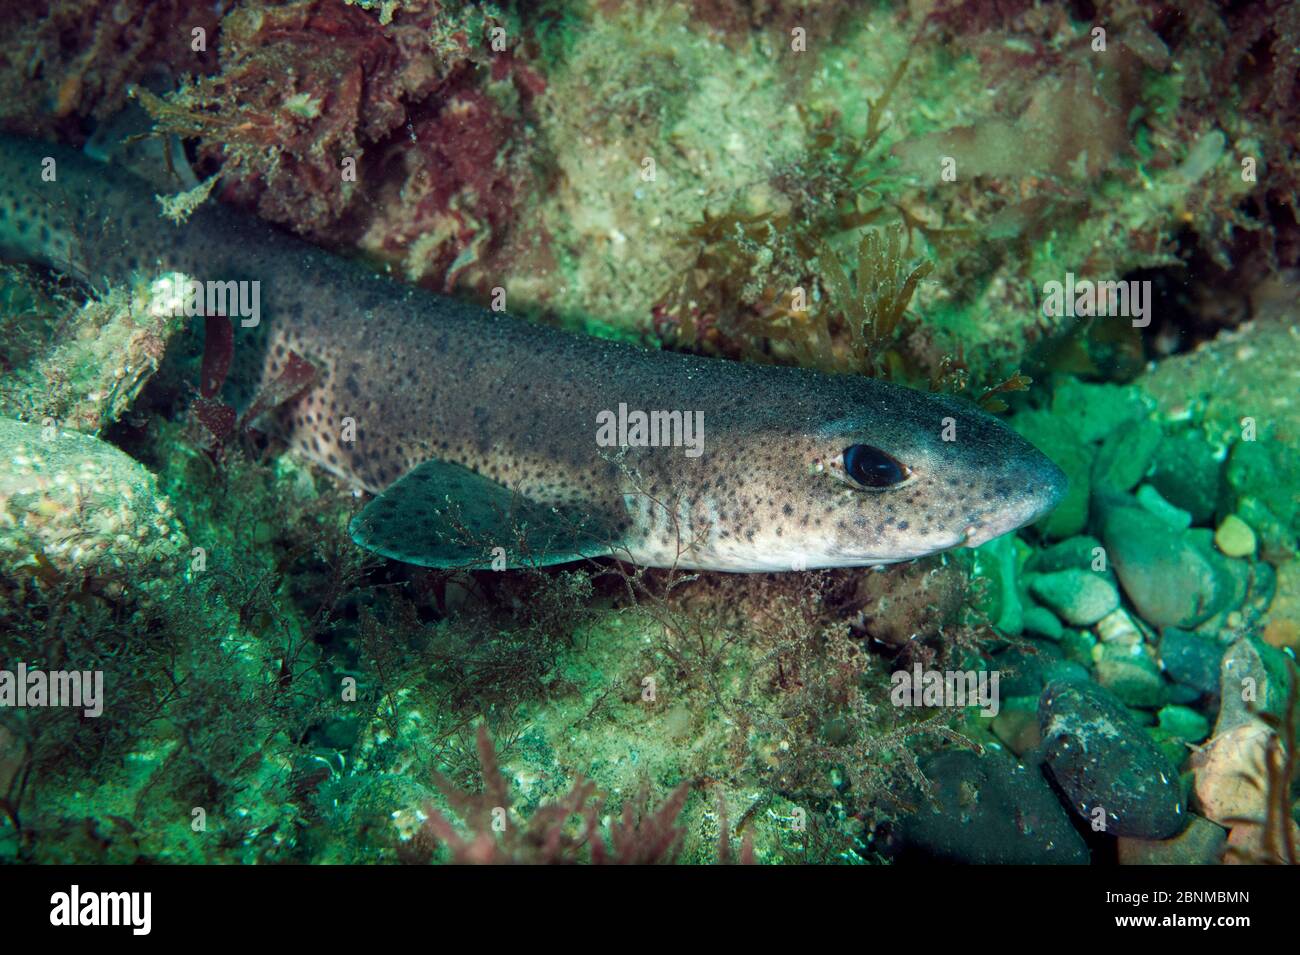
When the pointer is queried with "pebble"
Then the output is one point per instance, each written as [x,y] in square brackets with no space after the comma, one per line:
[1235,538]
[1078,646]
[1157,506]
[1017,724]
[1079,597]
[1081,552]
[1282,621]
[1186,473]
[991,811]
[1133,678]
[1268,471]
[1201,843]
[1117,628]
[1170,581]
[1042,622]
[1111,772]
[1184,722]
[1095,410]
[1191,660]
[1126,455]
[1253,680]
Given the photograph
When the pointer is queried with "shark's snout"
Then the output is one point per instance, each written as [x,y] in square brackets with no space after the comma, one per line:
[1053,486]
[1039,486]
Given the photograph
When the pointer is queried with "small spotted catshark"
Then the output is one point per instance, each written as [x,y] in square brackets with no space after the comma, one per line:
[479,434]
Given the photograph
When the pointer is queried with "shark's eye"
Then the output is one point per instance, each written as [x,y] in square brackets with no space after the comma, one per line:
[872,467]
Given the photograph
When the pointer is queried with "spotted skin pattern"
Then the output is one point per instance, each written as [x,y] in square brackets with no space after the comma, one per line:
[426,377]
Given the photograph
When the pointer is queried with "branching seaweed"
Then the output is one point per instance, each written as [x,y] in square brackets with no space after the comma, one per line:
[874,302]
[565,830]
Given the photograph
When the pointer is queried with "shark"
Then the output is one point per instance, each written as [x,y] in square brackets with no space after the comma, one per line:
[482,440]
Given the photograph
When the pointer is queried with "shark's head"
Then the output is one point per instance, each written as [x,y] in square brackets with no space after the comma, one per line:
[873,473]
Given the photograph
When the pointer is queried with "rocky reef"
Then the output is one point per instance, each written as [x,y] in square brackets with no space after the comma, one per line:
[888,189]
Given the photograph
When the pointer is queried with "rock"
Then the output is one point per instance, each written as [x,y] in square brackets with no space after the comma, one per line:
[1079,597]
[1071,515]
[1067,670]
[1110,771]
[1042,622]
[1263,587]
[1251,843]
[1081,552]
[74,506]
[1281,624]
[1184,722]
[1095,411]
[1247,371]
[1235,538]
[1191,660]
[1201,843]
[1269,472]
[906,601]
[1184,695]
[1239,391]
[97,364]
[1170,581]
[1022,672]
[997,562]
[1017,724]
[1229,778]
[1174,747]
[1078,646]
[1277,542]
[1126,454]
[1233,572]
[1155,505]
[1133,678]
[1118,629]
[1186,474]
[991,810]
[1252,680]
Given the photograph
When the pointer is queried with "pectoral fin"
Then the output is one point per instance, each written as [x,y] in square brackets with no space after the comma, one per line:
[443,515]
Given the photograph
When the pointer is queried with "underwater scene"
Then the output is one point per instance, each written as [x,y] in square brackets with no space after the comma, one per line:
[692,432]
